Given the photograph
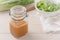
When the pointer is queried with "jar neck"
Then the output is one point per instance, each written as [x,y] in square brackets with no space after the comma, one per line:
[18,18]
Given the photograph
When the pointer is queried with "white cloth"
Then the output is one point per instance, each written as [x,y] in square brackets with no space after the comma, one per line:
[50,22]
[50,25]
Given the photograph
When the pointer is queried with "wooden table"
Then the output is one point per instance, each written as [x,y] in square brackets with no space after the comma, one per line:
[35,28]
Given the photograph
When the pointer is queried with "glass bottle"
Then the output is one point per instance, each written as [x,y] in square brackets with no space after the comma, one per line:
[18,26]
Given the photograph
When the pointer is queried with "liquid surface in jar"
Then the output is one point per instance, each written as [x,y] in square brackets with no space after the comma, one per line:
[18,28]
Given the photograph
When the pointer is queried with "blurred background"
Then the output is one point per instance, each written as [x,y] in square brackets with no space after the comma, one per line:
[7,4]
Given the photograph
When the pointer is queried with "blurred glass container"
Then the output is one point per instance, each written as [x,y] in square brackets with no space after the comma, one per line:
[50,20]
[7,4]
[18,24]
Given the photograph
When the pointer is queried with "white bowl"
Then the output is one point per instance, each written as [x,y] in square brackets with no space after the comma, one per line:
[47,14]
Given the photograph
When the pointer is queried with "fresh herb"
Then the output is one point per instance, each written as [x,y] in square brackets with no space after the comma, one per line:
[4,5]
[47,6]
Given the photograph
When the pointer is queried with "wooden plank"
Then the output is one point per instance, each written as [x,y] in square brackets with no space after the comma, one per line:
[30,7]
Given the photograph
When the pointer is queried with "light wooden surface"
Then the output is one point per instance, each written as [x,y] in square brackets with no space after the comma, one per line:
[35,28]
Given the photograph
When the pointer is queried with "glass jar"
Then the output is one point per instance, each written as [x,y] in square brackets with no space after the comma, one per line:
[18,26]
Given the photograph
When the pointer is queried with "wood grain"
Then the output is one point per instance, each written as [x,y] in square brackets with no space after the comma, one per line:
[30,7]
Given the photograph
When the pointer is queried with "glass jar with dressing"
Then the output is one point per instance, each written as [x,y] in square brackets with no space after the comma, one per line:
[18,26]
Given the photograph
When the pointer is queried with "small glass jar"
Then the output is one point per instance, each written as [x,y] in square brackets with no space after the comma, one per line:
[18,26]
